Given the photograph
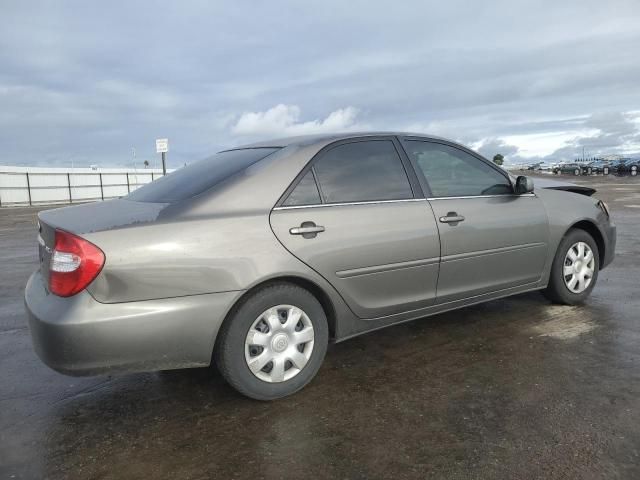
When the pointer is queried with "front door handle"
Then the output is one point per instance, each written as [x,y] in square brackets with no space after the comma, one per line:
[307,230]
[452,218]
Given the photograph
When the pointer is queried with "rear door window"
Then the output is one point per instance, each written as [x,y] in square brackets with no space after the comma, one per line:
[362,171]
[199,176]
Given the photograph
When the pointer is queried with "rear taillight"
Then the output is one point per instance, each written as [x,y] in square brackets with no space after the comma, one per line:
[75,262]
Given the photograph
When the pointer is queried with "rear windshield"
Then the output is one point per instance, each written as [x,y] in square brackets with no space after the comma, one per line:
[199,176]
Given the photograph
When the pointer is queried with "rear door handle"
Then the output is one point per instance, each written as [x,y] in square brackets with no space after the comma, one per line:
[303,230]
[307,230]
[452,218]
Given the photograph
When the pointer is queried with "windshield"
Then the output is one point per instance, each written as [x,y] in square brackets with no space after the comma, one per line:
[199,176]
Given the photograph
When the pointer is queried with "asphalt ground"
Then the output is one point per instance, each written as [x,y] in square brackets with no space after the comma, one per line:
[514,388]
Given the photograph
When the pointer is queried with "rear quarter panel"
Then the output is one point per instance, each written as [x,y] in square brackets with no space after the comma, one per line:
[220,241]
[189,257]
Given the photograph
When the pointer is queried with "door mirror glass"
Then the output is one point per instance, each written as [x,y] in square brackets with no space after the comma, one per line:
[524,185]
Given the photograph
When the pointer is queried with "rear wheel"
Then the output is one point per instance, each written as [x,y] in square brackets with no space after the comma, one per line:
[274,343]
[575,269]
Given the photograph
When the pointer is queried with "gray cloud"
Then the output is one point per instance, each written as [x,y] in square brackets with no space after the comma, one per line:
[88,81]
[491,146]
[283,120]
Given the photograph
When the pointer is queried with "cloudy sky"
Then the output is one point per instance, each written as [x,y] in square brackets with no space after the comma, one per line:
[89,82]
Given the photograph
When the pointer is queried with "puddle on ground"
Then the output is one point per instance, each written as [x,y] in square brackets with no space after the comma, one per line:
[564,328]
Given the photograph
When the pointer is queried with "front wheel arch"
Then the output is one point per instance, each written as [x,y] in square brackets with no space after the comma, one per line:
[557,289]
[595,233]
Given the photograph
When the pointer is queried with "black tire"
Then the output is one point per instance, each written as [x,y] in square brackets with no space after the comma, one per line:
[557,291]
[229,353]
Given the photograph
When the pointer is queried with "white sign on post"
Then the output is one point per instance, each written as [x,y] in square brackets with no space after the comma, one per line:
[162,145]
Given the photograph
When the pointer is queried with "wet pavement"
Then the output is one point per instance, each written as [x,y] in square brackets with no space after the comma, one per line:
[515,388]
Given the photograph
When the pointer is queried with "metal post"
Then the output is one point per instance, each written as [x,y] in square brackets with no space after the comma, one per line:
[69,185]
[29,188]
[164,165]
[128,186]
[101,189]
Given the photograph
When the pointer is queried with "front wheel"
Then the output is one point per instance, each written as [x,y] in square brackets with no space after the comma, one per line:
[274,342]
[574,270]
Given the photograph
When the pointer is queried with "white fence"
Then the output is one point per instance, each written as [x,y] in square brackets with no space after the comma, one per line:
[41,185]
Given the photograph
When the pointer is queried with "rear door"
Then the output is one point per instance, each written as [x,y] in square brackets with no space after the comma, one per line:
[357,216]
[491,238]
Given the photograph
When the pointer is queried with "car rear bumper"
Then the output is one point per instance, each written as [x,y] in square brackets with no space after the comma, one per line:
[81,336]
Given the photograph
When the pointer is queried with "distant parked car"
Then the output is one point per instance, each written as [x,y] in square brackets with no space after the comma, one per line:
[626,166]
[570,169]
[616,166]
[599,167]
[257,257]
[586,169]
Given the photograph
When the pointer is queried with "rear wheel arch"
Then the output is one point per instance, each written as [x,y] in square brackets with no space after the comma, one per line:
[308,285]
[252,344]
[595,233]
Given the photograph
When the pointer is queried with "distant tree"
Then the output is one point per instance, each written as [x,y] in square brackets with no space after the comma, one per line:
[146,163]
[498,159]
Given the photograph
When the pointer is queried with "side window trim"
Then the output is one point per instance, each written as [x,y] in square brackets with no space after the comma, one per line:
[318,186]
[417,188]
[364,202]
[418,183]
[423,179]
[296,184]
[412,178]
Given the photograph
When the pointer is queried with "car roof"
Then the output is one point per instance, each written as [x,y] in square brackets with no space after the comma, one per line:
[305,140]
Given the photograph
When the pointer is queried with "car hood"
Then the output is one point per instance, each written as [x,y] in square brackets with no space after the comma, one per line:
[560,185]
[566,186]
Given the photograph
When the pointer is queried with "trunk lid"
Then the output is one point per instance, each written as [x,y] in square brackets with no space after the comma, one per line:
[88,218]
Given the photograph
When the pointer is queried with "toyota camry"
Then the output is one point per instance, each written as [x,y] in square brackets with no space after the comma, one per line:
[257,257]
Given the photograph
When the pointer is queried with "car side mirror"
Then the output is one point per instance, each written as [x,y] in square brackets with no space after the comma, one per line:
[524,185]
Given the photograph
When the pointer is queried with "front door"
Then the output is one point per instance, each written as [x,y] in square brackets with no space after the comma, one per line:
[353,217]
[491,238]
